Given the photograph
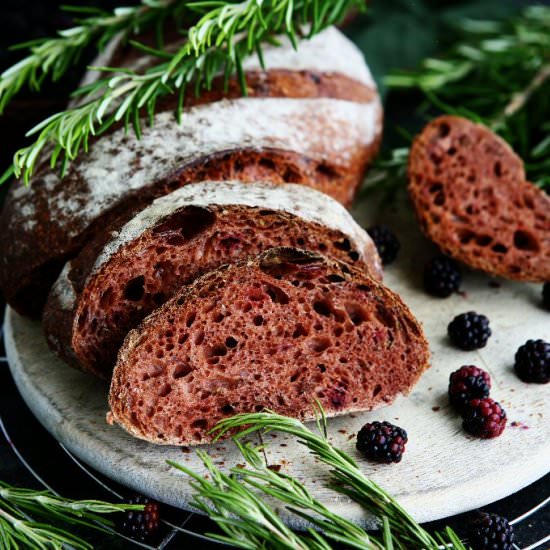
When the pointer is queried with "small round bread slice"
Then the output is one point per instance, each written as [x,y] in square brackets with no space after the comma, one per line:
[105,293]
[471,197]
[275,331]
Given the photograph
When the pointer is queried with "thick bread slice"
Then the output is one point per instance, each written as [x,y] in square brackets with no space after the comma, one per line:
[276,331]
[313,117]
[195,229]
[471,197]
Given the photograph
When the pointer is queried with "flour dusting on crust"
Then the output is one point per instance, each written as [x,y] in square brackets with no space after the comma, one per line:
[299,200]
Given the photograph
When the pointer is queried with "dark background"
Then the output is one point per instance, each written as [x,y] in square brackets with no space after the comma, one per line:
[395,33]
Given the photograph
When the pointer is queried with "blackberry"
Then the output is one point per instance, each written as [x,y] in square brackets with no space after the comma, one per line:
[141,525]
[484,418]
[469,330]
[467,383]
[533,362]
[382,442]
[546,296]
[386,243]
[442,276]
[490,532]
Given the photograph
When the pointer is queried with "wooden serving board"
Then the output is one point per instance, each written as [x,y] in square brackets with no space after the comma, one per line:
[443,472]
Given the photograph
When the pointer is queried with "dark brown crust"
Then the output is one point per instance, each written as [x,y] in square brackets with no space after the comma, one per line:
[31,258]
[139,388]
[66,337]
[469,191]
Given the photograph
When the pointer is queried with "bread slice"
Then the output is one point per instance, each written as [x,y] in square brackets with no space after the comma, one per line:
[276,331]
[195,229]
[471,197]
[313,116]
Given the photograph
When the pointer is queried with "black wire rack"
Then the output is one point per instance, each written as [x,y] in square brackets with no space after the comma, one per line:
[45,463]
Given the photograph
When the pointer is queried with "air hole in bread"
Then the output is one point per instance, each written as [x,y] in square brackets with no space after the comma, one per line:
[277,295]
[106,299]
[499,248]
[166,389]
[319,344]
[353,255]
[323,307]
[199,338]
[258,320]
[525,241]
[200,423]
[465,236]
[300,330]
[356,313]
[230,342]
[188,222]
[343,245]
[377,389]
[322,367]
[498,169]
[268,163]
[227,409]
[439,198]
[135,289]
[182,370]
[333,278]
[484,240]
[444,129]
[436,188]
[451,151]
[327,171]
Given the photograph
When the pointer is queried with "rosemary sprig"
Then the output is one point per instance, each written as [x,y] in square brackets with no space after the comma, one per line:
[229,498]
[497,73]
[234,516]
[20,508]
[54,56]
[225,33]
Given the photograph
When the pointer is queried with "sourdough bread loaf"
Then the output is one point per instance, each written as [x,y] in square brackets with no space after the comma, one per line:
[275,331]
[105,293]
[471,197]
[312,117]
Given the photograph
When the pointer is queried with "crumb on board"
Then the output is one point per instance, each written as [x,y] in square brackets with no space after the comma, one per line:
[435,409]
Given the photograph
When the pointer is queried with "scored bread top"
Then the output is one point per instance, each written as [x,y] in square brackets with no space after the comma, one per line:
[316,126]
[307,203]
[471,197]
[275,331]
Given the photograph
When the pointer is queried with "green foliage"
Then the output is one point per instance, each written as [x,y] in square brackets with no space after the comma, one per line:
[497,73]
[224,33]
[234,501]
[20,507]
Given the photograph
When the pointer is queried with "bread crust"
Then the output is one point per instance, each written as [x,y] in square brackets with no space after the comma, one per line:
[247,214]
[471,198]
[147,398]
[44,225]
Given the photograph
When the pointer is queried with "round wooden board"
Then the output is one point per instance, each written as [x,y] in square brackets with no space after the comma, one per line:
[443,472]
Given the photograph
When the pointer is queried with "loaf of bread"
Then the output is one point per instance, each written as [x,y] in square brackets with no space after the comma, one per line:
[312,117]
[276,331]
[472,199]
[101,295]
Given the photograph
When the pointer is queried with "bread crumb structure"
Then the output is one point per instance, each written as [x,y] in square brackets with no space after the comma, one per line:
[276,331]
[101,296]
[472,199]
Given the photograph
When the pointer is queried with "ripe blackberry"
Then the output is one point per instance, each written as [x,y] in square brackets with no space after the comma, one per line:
[469,330]
[490,532]
[484,418]
[546,296]
[386,243]
[382,442]
[533,362]
[442,276]
[467,383]
[141,525]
